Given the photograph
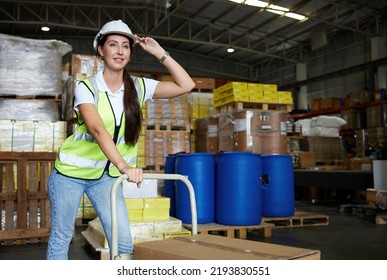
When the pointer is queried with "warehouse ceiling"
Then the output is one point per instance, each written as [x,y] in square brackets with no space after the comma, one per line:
[205,29]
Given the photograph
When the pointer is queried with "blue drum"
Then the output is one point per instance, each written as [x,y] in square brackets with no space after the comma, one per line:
[277,186]
[200,170]
[238,189]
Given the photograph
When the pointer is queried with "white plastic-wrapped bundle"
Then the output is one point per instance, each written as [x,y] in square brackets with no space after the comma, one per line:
[29,110]
[323,126]
[30,67]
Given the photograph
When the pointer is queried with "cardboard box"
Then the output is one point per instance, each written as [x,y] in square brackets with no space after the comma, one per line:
[330,103]
[214,247]
[204,83]
[316,105]
[303,159]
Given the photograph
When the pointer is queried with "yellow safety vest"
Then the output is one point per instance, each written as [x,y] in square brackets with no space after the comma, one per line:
[80,155]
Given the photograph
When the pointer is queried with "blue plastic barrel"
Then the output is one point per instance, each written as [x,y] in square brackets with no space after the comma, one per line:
[277,186]
[238,189]
[200,169]
[169,185]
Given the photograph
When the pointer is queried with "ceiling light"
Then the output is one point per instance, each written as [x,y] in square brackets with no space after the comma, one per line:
[279,10]
[230,50]
[256,3]
[45,28]
[275,11]
[296,16]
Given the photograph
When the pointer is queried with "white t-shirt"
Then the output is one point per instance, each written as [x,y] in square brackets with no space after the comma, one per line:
[83,95]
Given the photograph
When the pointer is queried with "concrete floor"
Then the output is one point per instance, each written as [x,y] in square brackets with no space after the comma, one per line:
[351,234]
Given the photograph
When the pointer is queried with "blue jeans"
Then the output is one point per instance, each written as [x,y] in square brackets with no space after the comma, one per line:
[65,194]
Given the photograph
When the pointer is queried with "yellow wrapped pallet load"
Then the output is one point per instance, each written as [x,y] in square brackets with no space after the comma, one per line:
[285,97]
[255,92]
[230,92]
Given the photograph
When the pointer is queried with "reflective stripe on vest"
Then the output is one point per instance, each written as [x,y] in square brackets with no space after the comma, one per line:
[80,156]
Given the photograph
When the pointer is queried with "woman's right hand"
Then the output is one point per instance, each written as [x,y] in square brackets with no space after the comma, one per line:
[134,175]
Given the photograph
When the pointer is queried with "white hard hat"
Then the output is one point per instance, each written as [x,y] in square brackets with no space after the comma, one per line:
[115,26]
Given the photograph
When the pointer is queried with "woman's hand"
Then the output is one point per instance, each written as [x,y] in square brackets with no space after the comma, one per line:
[151,46]
[134,175]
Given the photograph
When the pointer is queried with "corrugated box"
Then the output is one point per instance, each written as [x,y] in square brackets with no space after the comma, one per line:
[213,247]
[330,103]
[204,83]
[207,134]
[303,159]
[316,105]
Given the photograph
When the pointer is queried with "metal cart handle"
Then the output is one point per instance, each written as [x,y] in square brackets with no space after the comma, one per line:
[161,176]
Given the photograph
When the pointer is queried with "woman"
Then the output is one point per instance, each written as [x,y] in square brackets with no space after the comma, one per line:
[108,108]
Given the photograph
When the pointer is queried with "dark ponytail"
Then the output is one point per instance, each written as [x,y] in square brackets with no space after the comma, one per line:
[132,111]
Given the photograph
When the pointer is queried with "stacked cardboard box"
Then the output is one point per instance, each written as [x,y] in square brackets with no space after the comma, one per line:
[149,220]
[167,112]
[148,209]
[376,116]
[160,143]
[200,105]
[325,149]
[206,134]
[231,92]
[257,131]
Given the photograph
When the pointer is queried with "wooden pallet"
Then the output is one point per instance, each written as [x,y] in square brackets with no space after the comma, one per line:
[154,169]
[300,219]
[24,197]
[34,97]
[252,105]
[232,231]
[94,245]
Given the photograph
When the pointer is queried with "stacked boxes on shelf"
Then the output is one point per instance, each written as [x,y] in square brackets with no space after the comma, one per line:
[167,130]
[167,112]
[206,134]
[160,143]
[325,149]
[82,66]
[201,105]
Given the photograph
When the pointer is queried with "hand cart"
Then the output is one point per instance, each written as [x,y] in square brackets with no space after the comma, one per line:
[114,250]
